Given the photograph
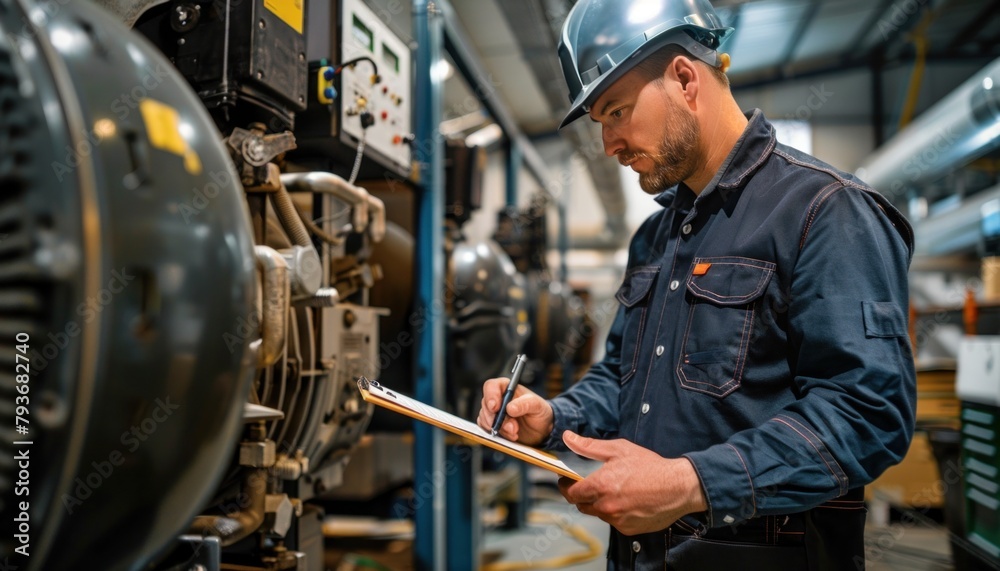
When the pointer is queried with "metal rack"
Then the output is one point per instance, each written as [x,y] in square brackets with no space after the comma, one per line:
[444,475]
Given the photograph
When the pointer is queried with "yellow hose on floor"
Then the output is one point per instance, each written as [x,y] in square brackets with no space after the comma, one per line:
[594,548]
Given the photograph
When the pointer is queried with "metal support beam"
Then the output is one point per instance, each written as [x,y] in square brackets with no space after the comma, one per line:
[892,31]
[975,25]
[513,166]
[800,31]
[755,81]
[428,457]
[873,19]
[460,48]
[465,464]
[563,243]
[878,102]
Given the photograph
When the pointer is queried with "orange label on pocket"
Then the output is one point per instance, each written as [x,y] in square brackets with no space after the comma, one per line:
[701,269]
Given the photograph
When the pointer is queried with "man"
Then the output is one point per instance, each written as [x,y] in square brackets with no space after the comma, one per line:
[758,373]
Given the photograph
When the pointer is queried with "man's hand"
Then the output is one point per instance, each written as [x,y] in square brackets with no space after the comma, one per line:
[636,490]
[529,417]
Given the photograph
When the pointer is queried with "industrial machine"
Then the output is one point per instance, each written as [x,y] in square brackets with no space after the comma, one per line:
[315,231]
[188,261]
[485,301]
[555,312]
[193,303]
[127,263]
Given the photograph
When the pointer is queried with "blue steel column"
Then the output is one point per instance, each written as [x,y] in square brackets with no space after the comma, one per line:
[464,465]
[513,168]
[428,469]
[569,371]
[519,517]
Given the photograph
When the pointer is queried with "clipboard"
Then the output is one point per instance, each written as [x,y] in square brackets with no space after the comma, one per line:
[376,394]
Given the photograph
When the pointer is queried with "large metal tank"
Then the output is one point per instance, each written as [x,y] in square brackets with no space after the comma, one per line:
[126,280]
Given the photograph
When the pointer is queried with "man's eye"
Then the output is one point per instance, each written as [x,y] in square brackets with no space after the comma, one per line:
[617,113]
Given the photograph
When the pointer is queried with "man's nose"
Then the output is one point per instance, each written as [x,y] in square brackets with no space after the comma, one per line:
[613,144]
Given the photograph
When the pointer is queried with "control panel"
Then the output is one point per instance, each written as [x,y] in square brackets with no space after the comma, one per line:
[363,34]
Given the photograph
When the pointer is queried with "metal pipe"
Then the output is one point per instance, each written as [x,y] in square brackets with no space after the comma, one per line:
[957,230]
[275,292]
[246,517]
[290,219]
[959,128]
[376,218]
[330,183]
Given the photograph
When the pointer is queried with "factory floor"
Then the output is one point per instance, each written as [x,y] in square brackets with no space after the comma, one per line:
[560,537]
[914,550]
[889,548]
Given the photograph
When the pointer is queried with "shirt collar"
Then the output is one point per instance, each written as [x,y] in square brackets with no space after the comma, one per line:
[748,154]
[751,151]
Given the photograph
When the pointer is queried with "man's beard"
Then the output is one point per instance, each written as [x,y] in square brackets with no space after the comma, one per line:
[676,159]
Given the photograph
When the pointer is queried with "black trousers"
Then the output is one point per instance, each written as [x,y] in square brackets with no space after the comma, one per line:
[829,537]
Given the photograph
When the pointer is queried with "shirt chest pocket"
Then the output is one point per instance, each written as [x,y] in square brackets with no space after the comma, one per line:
[724,296]
[634,294]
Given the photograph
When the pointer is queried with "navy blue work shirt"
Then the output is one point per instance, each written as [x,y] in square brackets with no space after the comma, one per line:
[762,334]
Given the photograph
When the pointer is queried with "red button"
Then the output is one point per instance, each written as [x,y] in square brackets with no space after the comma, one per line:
[397,140]
[385,115]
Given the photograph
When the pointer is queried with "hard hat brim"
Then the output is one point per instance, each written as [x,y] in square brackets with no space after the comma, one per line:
[677,36]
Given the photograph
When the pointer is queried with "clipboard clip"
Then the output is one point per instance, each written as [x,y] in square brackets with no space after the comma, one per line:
[364,383]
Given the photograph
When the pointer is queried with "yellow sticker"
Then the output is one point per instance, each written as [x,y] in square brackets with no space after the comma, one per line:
[192,162]
[163,129]
[163,126]
[290,12]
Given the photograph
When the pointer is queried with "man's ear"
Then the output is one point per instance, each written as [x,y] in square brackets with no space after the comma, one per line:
[686,73]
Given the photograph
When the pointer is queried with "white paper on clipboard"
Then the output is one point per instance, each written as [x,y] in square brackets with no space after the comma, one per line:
[375,393]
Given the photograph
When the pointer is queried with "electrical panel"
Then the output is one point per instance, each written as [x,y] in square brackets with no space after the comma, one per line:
[389,101]
[344,98]
[246,59]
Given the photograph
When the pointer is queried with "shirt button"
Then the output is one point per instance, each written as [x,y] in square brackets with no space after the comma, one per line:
[645,407]
[686,229]
[636,547]
[674,285]
[659,350]
[729,519]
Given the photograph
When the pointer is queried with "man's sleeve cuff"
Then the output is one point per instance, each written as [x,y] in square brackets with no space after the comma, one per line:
[565,417]
[726,481]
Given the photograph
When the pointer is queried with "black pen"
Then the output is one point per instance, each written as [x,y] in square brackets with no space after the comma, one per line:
[515,377]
